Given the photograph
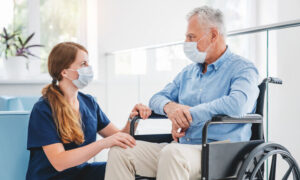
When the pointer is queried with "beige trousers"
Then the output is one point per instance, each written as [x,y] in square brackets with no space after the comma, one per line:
[163,161]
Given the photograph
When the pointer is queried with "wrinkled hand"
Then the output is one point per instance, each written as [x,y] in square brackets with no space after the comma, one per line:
[177,132]
[119,139]
[142,110]
[179,114]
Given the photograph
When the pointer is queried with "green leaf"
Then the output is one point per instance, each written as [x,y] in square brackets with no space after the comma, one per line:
[24,56]
[21,42]
[28,39]
[35,45]
[5,32]
[29,53]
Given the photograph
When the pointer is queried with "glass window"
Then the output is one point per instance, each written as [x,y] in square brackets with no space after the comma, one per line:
[53,22]
[58,24]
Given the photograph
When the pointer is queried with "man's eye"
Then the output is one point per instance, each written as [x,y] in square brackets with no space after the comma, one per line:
[191,37]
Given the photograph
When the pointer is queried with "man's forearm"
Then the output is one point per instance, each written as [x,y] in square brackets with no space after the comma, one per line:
[168,106]
[157,103]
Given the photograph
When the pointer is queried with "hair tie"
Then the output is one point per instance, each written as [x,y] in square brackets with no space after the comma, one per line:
[54,81]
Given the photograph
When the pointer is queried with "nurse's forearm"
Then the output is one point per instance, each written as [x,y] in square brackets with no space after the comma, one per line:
[61,159]
[126,129]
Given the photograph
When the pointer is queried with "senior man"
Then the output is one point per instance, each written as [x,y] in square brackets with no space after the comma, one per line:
[218,82]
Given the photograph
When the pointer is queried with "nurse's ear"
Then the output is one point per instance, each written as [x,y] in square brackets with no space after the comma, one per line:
[69,74]
[64,73]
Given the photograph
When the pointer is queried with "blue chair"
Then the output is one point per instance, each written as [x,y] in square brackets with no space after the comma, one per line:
[14,118]
[14,156]
[17,103]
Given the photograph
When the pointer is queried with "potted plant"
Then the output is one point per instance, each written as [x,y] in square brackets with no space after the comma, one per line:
[16,53]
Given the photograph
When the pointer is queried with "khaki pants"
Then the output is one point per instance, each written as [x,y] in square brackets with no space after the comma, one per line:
[163,161]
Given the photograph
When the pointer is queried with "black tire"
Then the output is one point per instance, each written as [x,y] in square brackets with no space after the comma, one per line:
[253,166]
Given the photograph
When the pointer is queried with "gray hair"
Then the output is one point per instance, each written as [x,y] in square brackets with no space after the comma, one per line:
[211,17]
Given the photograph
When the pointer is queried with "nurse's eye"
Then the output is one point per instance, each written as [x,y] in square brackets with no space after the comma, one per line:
[84,63]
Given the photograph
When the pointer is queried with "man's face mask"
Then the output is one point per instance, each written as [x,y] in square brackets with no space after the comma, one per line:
[191,51]
[85,76]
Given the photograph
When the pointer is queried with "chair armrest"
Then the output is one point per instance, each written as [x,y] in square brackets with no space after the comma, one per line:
[157,138]
[137,118]
[249,118]
[222,119]
[14,112]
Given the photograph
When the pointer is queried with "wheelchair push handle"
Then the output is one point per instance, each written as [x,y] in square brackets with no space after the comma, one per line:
[274,80]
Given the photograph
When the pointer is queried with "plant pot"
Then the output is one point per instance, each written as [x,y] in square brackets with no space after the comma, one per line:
[15,67]
[34,67]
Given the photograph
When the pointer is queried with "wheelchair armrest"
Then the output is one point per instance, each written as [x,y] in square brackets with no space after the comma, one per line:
[249,118]
[223,119]
[137,118]
[157,138]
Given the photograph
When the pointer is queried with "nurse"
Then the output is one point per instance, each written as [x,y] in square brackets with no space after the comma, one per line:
[64,122]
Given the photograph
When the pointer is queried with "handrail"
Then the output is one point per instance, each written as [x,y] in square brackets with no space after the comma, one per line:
[274,26]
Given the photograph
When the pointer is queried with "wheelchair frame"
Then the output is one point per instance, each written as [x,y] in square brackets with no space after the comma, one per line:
[243,160]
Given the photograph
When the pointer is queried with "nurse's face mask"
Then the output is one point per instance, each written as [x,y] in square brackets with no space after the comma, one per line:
[85,76]
[191,51]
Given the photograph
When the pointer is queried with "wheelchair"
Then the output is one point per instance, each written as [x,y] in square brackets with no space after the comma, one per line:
[235,160]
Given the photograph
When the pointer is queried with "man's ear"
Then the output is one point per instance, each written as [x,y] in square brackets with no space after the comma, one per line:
[215,34]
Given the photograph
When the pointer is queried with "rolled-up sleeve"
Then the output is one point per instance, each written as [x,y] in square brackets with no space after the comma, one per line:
[240,100]
[168,94]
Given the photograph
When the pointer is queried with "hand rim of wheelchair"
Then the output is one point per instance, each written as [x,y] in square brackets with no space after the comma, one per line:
[259,155]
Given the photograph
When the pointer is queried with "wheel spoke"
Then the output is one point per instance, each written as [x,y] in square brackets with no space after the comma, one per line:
[273,168]
[287,174]
[259,173]
[248,174]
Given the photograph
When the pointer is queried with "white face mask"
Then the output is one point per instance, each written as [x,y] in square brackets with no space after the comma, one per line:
[85,76]
[191,51]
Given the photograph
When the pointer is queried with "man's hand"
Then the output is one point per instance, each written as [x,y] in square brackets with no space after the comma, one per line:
[177,132]
[179,114]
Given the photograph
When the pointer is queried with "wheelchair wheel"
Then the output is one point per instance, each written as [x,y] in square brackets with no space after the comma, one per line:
[253,165]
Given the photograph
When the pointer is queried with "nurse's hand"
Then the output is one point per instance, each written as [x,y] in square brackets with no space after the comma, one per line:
[119,139]
[142,110]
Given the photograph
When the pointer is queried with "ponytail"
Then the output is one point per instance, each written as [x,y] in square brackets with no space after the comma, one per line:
[67,122]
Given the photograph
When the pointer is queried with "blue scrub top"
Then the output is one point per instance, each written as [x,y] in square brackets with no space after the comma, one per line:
[42,131]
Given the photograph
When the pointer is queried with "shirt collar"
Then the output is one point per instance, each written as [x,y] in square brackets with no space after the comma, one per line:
[216,65]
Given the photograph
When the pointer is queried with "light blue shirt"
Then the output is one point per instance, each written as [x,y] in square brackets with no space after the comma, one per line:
[229,87]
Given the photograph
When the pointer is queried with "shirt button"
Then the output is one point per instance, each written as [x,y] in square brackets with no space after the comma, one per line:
[188,139]
[200,89]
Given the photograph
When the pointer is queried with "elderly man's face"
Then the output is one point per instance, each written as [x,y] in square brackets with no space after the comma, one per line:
[198,33]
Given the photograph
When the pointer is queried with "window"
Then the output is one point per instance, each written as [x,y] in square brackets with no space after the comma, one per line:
[53,22]
[58,24]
